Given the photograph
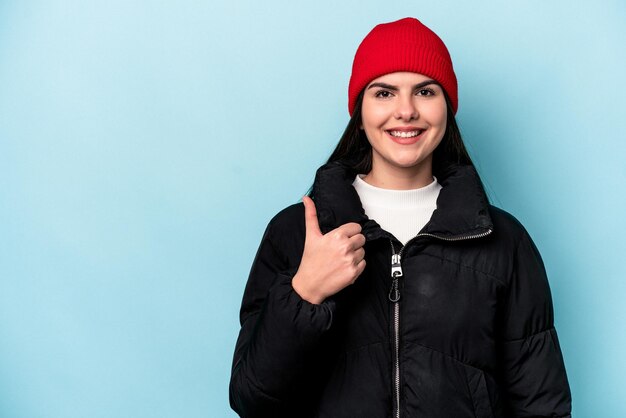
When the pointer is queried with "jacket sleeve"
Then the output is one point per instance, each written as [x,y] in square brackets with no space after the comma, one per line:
[279,339]
[531,362]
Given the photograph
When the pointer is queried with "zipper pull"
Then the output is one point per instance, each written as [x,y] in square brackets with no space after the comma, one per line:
[396,271]
[396,268]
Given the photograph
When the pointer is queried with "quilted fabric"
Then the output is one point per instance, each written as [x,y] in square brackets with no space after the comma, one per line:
[476,326]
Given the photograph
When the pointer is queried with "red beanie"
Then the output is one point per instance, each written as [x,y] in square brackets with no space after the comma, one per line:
[403,45]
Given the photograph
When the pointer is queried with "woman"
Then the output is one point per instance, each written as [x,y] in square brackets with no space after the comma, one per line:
[396,289]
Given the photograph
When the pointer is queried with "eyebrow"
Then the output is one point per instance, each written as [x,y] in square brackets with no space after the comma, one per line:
[394,88]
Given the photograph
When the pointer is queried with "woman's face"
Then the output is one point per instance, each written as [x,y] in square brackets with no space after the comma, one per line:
[404,118]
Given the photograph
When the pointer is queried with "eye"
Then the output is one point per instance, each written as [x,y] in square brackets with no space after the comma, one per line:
[383,94]
[426,92]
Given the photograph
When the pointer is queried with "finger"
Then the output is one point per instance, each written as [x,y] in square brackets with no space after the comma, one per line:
[357,241]
[349,229]
[310,218]
[360,267]
[359,255]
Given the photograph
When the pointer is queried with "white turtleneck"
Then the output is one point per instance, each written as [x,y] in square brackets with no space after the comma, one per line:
[401,212]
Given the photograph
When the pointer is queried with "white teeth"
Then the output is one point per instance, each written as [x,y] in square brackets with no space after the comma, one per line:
[402,134]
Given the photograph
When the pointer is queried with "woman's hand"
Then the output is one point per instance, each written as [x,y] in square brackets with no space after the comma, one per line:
[329,262]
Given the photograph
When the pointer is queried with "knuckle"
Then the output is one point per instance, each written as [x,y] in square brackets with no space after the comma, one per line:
[351,228]
[359,240]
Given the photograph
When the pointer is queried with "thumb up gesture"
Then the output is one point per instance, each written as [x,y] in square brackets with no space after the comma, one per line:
[330,262]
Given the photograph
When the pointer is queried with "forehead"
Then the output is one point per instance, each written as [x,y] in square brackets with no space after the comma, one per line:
[399,78]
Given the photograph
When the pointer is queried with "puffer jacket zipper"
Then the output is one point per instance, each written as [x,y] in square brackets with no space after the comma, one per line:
[394,297]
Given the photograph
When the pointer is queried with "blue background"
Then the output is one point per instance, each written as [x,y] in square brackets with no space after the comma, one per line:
[145,145]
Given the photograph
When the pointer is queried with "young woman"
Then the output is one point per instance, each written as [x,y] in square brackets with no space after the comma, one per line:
[396,289]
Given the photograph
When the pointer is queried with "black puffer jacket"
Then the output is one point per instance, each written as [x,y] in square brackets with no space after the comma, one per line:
[470,335]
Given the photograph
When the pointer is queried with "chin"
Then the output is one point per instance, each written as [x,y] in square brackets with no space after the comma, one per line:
[408,163]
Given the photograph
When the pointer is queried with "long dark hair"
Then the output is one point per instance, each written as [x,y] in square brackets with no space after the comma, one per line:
[355,151]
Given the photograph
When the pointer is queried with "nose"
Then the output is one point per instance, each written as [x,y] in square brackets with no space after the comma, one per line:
[406,109]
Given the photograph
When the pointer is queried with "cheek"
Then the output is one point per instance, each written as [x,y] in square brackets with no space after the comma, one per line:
[437,119]
[373,116]
[437,115]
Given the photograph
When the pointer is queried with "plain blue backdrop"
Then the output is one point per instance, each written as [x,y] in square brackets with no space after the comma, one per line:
[144,146]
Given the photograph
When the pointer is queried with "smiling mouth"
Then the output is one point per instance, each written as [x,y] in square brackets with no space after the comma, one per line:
[407,134]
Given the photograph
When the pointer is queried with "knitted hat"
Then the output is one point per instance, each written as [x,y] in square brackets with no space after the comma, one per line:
[403,45]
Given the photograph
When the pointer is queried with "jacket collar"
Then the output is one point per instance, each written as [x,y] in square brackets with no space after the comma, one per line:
[462,206]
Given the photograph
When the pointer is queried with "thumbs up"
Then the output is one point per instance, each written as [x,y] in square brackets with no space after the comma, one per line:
[330,262]
[310,218]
